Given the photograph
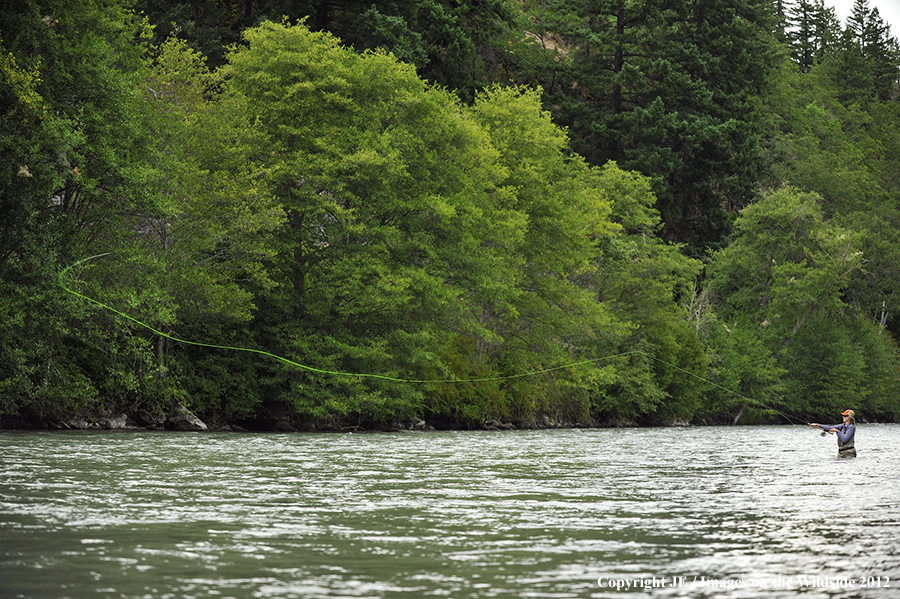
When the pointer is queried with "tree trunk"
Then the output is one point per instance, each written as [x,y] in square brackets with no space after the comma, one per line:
[161,358]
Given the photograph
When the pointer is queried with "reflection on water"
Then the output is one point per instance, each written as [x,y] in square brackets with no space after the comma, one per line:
[688,512]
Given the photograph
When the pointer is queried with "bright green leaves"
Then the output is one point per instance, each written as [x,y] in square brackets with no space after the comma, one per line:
[19,85]
[419,229]
[638,277]
[396,226]
[787,264]
[553,317]
[331,206]
[785,278]
[211,205]
[72,149]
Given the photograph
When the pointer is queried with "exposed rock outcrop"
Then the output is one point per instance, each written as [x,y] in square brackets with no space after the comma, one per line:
[182,419]
[113,422]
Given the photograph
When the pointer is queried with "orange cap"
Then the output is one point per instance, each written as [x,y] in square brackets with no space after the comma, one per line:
[848,413]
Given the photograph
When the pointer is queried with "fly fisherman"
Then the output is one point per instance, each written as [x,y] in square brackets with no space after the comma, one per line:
[845,433]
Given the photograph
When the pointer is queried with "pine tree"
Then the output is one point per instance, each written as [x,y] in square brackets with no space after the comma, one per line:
[880,50]
[856,22]
[812,30]
[827,30]
[801,19]
[670,90]
[870,63]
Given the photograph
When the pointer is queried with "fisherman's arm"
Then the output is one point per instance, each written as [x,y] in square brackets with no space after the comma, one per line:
[845,433]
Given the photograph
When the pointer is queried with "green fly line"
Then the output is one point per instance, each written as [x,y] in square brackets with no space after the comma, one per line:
[140,323]
[62,276]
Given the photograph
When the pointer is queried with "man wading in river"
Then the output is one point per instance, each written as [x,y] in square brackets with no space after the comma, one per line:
[845,433]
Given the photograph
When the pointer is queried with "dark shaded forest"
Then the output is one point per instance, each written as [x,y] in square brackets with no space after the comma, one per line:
[572,212]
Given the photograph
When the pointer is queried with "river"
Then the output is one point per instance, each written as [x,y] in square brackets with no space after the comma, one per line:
[766,511]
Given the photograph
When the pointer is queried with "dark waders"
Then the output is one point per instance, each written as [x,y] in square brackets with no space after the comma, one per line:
[848,449]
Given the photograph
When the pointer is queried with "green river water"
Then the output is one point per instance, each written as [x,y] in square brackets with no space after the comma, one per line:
[667,512]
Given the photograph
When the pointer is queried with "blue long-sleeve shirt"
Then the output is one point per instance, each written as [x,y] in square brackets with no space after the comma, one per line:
[844,432]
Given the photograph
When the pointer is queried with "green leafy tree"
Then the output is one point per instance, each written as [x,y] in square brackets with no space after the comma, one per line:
[200,250]
[121,158]
[848,155]
[452,43]
[785,276]
[396,225]
[749,381]
[550,319]
[71,140]
[786,265]
[638,278]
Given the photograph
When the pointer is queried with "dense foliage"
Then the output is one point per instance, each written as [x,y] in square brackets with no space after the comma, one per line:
[603,212]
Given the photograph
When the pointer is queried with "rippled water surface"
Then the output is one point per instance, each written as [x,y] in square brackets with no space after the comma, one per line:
[686,512]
